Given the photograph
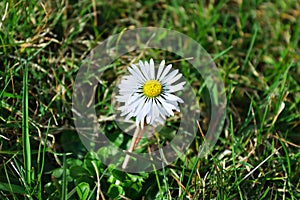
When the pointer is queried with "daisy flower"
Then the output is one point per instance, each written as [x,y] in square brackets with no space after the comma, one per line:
[148,95]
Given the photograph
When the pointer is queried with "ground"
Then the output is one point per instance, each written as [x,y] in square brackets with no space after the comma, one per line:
[255,46]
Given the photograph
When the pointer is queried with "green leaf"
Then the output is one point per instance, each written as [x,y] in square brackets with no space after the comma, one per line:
[57,173]
[119,175]
[89,158]
[83,190]
[115,191]
[14,188]
[74,162]
[86,179]
[78,171]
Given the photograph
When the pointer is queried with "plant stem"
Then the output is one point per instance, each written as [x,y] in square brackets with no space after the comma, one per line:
[135,140]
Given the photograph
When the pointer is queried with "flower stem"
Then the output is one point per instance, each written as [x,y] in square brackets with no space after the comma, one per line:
[135,140]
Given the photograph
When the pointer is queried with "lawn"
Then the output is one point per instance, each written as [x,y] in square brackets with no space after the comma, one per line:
[255,142]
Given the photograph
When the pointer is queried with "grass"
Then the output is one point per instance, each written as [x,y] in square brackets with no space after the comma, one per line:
[255,45]
[25,130]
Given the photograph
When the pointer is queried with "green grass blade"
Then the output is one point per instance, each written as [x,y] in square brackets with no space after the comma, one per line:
[251,45]
[42,162]
[25,129]
[10,187]
[64,193]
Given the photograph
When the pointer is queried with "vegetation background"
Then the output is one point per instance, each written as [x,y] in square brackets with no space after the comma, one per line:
[255,44]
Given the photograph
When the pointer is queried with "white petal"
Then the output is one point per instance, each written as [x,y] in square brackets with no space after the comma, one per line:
[121,108]
[168,107]
[125,112]
[139,105]
[167,69]
[175,88]
[136,69]
[161,120]
[144,70]
[170,76]
[137,123]
[122,98]
[165,107]
[146,108]
[134,98]
[136,104]
[142,122]
[152,70]
[148,119]
[171,97]
[155,111]
[130,114]
[176,78]
[147,69]
[160,69]
[175,104]
[136,75]
[161,111]
[142,114]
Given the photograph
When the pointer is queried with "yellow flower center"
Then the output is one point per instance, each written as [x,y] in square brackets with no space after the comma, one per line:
[152,88]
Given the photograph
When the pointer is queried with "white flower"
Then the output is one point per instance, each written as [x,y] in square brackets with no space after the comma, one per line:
[147,96]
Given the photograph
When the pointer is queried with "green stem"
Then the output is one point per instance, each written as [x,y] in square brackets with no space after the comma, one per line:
[25,129]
